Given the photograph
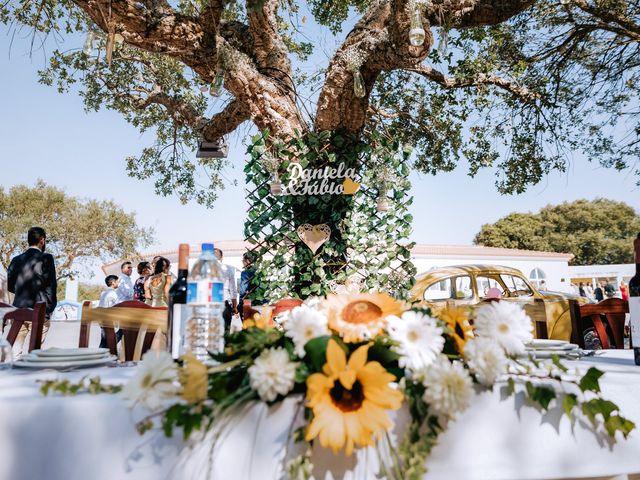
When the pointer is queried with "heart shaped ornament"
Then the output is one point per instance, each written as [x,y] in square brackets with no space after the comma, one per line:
[314,236]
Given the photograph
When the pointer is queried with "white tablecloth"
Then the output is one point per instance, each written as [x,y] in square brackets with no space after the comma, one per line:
[82,437]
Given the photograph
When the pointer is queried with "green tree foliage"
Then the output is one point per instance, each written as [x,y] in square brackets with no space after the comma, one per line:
[595,232]
[78,230]
[513,85]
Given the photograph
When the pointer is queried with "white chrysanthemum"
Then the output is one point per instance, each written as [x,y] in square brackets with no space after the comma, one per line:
[420,339]
[272,374]
[155,380]
[448,388]
[304,324]
[486,359]
[507,323]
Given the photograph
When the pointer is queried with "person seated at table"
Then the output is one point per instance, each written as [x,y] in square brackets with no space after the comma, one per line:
[156,287]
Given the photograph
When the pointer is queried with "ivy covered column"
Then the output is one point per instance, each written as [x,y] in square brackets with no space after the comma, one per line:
[327,214]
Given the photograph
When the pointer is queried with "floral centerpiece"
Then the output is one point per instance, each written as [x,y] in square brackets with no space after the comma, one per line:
[356,357]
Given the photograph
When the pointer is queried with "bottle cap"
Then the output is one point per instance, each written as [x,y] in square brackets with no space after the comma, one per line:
[207,247]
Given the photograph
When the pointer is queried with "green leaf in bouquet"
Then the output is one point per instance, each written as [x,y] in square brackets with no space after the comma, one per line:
[381,352]
[589,382]
[316,352]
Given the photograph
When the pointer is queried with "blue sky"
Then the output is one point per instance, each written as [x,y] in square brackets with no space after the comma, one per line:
[47,135]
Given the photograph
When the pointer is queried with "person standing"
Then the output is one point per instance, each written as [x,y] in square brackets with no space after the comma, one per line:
[230,290]
[581,291]
[144,270]
[624,291]
[125,289]
[156,287]
[246,277]
[109,296]
[598,292]
[31,276]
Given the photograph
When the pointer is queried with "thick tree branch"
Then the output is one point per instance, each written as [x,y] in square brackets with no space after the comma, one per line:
[158,29]
[226,121]
[482,79]
[475,13]
[609,15]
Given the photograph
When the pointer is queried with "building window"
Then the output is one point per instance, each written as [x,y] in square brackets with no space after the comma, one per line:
[537,277]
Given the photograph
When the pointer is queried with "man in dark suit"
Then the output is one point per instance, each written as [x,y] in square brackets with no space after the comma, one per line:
[31,276]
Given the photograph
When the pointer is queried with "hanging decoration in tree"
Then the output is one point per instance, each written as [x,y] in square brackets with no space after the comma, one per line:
[111,40]
[355,59]
[416,33]
[382,204]
[215,90]
[88,43]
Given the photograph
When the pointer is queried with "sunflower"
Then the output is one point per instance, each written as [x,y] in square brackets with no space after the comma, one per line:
[360,316]
[349,400]
[457,319]
[262,319]
[194,379]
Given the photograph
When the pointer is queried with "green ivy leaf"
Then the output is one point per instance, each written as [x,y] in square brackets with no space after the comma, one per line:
[617,423]
[569,401]
[540,394]
[589,382]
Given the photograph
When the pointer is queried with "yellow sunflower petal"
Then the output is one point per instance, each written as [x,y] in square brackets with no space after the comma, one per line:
[347,378]
[336,359]
[358,358]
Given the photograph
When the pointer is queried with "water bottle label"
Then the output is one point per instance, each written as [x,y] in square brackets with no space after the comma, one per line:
[205,291]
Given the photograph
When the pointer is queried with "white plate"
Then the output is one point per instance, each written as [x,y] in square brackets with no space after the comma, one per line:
[64,365]
[542,354]
[546,343]
[69,352]
[36,358]
[566,346]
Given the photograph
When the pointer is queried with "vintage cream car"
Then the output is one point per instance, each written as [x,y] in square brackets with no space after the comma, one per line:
[468,285]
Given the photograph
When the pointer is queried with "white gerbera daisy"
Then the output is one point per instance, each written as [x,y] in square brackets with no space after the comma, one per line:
[486,359]
[304,324]
[272,374]
[507,323]
[155,380]
[448,388]
[420,339]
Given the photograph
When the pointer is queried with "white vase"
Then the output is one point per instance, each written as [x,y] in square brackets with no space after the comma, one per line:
[276,187]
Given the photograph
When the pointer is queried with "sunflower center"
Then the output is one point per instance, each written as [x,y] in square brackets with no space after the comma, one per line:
[347,400]
[361,311]
[503,328]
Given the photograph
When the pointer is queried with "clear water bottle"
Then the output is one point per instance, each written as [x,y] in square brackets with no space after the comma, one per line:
[205,303]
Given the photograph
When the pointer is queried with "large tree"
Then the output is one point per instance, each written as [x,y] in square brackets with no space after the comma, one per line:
[595,232]
[521,84]
[78,230]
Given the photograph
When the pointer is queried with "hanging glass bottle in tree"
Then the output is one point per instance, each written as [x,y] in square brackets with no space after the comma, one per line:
[88,43]
[216,86]
[417,33]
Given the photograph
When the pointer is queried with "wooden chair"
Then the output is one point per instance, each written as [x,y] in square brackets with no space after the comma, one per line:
[18,317]
[132,317]
[606,317]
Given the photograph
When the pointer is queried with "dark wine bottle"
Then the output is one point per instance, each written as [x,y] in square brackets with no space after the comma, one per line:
[634,303]
[178,298]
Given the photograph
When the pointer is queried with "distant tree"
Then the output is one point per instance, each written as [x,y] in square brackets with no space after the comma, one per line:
[595,232]
[86,291]
[78,230]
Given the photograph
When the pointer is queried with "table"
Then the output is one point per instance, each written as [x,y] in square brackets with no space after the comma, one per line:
[69,438]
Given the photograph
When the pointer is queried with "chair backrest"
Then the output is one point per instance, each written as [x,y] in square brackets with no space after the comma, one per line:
[18,317]
[607,315]
[285,305]
[132,317]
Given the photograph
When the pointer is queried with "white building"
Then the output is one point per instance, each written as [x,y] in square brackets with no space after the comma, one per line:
[593,274]
[553,268]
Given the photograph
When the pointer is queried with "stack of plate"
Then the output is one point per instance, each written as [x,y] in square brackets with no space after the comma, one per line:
[63,358]
[543,348]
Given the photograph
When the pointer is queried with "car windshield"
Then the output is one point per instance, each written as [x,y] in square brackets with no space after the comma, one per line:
[517,286]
